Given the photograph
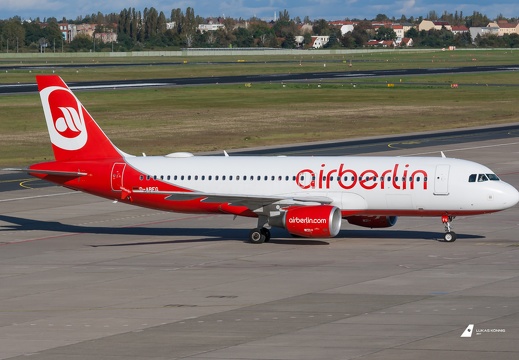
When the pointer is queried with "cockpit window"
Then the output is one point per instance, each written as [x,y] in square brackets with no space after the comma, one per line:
[482,177]
[492,177]
[472,177]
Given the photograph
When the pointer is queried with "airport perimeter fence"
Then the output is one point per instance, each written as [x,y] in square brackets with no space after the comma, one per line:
[216,52]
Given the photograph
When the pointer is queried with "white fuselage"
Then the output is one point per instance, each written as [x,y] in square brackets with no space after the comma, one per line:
[396,185]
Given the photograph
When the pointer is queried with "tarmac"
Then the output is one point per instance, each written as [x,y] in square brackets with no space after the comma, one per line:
[83,278]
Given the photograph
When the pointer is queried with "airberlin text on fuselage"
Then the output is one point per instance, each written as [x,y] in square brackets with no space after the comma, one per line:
[367,179]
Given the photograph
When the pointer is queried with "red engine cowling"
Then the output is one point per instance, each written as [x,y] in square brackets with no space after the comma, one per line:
[317,221]
[372,221]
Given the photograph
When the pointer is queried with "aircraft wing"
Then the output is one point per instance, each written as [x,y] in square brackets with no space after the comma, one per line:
[48,172]
[253,202]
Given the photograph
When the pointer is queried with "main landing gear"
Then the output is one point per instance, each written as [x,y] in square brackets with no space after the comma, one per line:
[449,235]
[260,234]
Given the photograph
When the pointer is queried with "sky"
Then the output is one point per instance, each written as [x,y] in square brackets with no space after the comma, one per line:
[264,9]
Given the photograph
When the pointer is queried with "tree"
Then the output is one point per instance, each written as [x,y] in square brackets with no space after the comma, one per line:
[384,33]
[289,42]
[14,34]
[243,38]
[33,32]
[53,33]
[321,27]
[333,41]
[81,43]
[432,15]
[348,41]
[381,17]
[412,33]
[284,16]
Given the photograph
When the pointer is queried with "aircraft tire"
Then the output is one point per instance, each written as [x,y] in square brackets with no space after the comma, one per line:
[266,232]
[449,236]
[256,236]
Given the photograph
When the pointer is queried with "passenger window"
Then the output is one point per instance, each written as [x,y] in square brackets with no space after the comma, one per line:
[472,178]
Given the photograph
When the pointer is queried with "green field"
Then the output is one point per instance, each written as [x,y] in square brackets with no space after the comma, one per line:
[241,65]
[217,117]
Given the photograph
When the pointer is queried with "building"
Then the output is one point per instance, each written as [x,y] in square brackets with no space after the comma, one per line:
[68,31]
[108,37]
[434,25]
[345,26]
[406,42]
[459,29]
[210,27]
[381,43]
[482,31]
[86,29]
[318,42]
[505,27]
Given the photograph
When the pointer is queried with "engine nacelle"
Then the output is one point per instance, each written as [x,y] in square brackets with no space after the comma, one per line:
[316,221]
[372,221]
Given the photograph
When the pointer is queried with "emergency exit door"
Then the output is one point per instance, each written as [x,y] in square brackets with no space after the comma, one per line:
[441,180]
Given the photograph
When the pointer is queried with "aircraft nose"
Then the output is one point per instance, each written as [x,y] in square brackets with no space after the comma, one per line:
[513,196]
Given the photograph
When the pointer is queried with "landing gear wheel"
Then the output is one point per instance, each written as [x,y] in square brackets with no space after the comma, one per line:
[266,233]
[257,236]
[449,236]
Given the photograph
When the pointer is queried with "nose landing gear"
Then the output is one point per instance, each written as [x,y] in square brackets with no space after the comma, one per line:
[449,236]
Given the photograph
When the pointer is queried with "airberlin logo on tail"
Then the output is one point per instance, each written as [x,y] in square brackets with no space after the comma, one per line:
[64,116]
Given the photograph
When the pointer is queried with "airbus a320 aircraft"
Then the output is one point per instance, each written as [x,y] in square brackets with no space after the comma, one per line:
[308,196]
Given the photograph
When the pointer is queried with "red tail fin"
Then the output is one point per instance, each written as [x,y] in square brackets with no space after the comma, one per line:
[73,132]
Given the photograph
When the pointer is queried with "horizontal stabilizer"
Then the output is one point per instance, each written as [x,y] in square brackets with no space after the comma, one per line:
[48,172]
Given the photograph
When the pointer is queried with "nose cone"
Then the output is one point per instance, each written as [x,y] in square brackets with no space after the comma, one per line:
[509,195]
[514,196]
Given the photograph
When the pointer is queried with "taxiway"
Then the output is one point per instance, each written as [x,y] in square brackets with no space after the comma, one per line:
[84,278]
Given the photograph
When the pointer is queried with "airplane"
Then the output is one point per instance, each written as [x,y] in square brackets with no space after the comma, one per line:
[307,196]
